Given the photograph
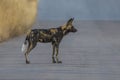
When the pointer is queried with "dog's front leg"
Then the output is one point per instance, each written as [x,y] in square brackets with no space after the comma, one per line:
[53,59]
[57,52]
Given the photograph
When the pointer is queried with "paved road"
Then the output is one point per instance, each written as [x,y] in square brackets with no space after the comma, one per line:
[93,53]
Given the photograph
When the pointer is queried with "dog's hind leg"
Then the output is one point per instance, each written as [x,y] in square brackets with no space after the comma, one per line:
[30,47]
[26,55]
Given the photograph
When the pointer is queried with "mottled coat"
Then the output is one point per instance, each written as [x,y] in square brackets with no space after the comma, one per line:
[52,35]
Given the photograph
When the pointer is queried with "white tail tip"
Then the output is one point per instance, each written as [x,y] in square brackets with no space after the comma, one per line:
[23,47]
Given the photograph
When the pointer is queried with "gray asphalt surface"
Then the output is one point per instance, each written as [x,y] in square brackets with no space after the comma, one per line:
[93,53]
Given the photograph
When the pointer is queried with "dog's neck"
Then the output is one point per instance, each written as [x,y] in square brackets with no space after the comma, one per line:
[64,30]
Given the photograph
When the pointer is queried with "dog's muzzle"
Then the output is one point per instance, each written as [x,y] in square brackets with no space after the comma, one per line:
[74,30]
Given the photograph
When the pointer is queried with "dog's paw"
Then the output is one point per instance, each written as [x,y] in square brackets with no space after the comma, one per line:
[59,62]
[53,61]
[27,62]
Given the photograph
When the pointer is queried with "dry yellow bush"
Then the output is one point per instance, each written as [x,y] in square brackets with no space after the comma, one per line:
[16,17]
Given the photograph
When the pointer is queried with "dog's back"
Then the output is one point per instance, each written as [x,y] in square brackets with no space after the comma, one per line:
[43,35]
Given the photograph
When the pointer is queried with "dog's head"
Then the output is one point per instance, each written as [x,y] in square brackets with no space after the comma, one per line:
[69,26]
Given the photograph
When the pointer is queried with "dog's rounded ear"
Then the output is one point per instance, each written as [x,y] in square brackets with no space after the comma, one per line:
[73,18]
[70,21]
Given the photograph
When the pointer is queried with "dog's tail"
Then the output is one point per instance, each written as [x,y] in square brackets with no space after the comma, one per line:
[25,44]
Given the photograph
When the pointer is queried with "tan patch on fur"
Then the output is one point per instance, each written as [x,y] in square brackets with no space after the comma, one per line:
[63,27]
[53,31]
[44,35]
[69,26]
[41,40]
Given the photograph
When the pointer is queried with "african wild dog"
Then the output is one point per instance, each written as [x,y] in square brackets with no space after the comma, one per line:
[53,35]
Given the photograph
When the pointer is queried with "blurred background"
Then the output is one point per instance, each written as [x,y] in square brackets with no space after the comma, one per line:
[92,53]
[80,9]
